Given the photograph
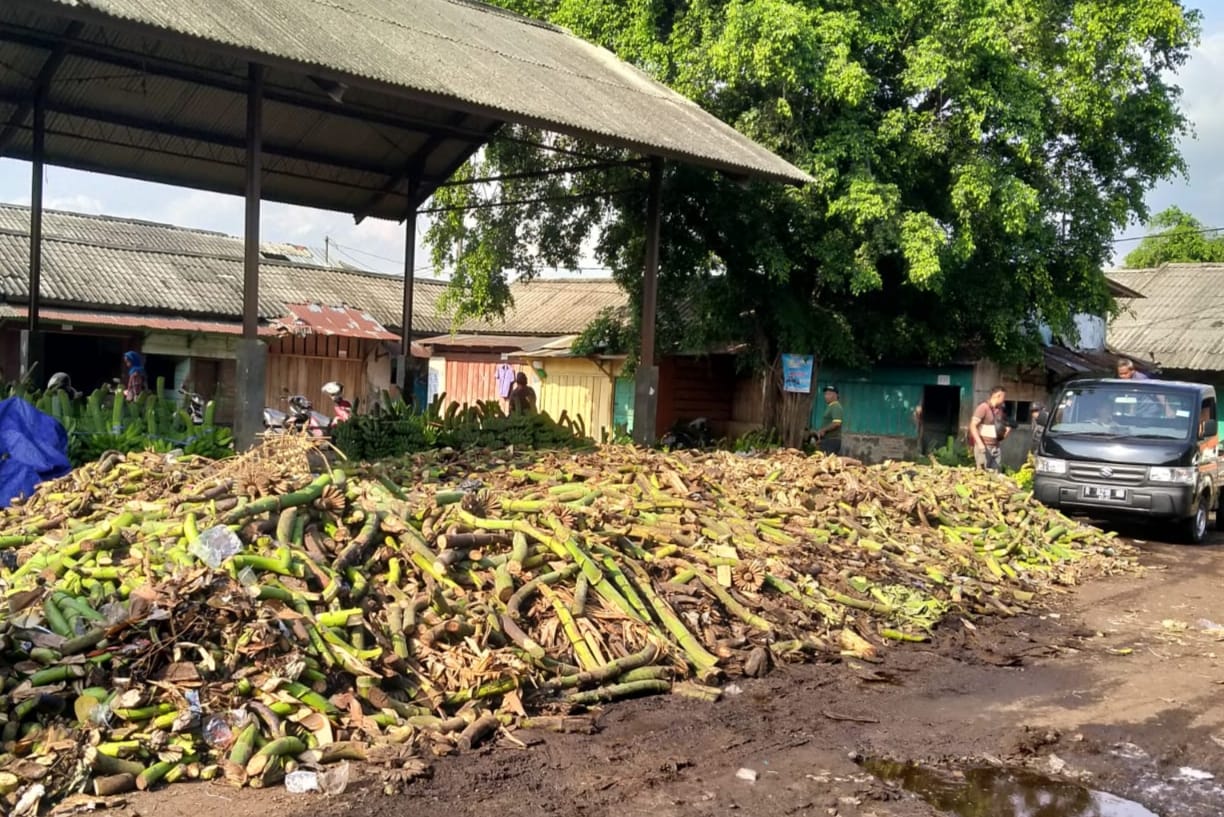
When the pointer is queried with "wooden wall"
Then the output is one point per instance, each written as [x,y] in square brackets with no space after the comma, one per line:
[472,378]
[692,387]
[10,354]
[580,388]
[301,365]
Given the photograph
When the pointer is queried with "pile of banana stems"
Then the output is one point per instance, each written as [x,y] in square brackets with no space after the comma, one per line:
[404,609]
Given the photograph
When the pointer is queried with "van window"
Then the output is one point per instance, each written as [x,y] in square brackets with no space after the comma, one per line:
[1117,410]
[1207,419]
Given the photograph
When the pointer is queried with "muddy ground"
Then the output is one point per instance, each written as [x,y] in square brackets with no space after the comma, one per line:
[1119,685]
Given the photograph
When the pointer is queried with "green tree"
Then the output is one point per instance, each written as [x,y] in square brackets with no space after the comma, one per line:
[1175,236]
[972,158]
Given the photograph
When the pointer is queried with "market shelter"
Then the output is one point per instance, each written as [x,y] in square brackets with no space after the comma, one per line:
[361,106]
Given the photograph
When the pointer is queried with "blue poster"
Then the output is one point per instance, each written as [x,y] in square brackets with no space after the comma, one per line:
[797,373]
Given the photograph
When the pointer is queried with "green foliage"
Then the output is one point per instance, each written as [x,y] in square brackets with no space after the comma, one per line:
[760,439]
[396,429]
[610,333]
[953,454]
[972,162]
[1176,237]
[103,421]
[1024,477]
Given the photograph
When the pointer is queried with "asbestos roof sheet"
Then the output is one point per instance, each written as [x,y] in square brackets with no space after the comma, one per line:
[110,264]
[1179,321]
[359,94]
[342,321]
[132,320]
[481,343]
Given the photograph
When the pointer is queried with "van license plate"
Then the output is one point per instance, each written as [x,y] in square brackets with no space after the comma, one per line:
[1104,492]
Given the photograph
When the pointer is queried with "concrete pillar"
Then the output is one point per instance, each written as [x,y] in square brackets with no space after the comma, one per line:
[252,371]
[252,353]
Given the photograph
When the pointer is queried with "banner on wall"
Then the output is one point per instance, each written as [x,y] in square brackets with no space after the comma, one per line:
[797,373]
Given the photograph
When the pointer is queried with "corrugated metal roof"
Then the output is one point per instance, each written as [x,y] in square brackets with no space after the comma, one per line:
[1179,321]
[342,321]
[131,320]
[482,342]
[1066,363]
[556,306]
[159,87]
[108,264]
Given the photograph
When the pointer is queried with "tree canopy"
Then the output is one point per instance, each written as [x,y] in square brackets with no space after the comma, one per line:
[1175,236]
[973,159]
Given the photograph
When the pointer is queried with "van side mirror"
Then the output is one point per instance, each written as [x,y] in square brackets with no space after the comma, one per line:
[1043,417]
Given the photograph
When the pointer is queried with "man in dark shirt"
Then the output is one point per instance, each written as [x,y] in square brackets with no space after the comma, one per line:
[829,435]
[522,397]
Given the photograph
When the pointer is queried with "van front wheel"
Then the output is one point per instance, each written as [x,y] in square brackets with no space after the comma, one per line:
[1194,529]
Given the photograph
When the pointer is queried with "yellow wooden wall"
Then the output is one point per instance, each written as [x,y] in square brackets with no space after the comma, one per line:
[580,388]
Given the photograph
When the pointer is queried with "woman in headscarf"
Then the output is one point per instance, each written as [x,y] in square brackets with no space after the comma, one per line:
[135,379]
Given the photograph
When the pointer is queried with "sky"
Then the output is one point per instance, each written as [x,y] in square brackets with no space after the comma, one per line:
[379,245]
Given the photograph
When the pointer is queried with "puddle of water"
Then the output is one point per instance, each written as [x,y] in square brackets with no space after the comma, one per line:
[992,792]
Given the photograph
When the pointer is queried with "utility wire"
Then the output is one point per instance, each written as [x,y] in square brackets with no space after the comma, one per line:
[1175,231]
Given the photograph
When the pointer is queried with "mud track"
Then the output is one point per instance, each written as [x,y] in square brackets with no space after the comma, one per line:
[1119,684]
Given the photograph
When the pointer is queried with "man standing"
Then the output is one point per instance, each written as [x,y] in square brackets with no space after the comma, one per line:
[828,436]
[522,397]
[1127,371]
[987,430]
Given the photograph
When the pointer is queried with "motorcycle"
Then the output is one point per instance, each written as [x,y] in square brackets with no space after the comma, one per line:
[343,408]
[61,382]
[194,404]
[693,434]
[302,417]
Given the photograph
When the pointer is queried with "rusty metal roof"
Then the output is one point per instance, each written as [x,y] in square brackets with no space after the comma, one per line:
[1179,321]
[108,264]
[361,95]
[342,321]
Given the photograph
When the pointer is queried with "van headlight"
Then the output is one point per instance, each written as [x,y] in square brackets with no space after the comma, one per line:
[1051,465]
[1175,476]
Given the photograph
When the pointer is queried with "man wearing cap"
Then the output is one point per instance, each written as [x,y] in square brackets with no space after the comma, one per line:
[828,436]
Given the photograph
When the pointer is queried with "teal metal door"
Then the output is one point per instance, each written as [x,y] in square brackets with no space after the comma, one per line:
[622,405]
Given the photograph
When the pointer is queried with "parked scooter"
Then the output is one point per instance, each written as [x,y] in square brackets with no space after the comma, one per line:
[194,404]
[302,417]
[60,381]
[343,408]
[694,434]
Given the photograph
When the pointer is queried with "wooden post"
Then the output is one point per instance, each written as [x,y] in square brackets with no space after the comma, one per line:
[32,346]
[403,381]
[646,392]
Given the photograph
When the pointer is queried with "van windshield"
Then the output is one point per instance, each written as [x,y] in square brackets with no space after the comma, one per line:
[1114,411]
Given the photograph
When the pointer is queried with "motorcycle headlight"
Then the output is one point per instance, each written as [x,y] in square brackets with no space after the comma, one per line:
[1051,465]
[1175,476]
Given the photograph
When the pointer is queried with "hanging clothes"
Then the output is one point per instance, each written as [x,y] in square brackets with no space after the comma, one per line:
[505,380]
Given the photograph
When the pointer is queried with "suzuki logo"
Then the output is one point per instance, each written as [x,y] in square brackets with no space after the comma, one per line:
[1107,472]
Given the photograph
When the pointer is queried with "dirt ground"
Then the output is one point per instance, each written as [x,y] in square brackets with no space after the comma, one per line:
[1119,686]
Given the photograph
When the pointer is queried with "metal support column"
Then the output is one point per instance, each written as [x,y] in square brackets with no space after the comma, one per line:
[31,338]
[402,378]
[646,392]
[252,353]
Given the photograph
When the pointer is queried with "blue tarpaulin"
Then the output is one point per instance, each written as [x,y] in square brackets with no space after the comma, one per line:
[33,448]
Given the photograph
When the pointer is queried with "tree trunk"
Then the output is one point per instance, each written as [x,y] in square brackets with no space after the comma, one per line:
[788,412]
